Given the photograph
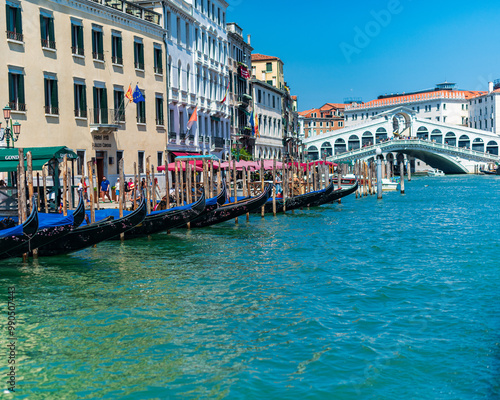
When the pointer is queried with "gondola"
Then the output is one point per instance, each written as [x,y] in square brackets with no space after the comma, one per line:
[159,221]
[231,211]
[52,227]
[336,194]
[16,236]
[87,235]
[213,203]
[293,203]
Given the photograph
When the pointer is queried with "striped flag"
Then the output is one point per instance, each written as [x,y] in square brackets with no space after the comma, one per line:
[193,119]
[227,91]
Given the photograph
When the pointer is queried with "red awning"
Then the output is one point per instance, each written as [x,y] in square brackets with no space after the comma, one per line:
[178,154]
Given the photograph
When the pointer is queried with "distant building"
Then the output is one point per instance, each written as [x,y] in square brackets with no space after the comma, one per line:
[328,117]
[443,104]
[268,69]
[240,93]
[485,108]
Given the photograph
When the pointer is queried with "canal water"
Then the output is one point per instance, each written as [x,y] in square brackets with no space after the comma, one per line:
[391,299]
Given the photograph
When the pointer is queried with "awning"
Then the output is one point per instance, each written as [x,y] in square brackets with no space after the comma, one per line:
[9,158]
[177,154]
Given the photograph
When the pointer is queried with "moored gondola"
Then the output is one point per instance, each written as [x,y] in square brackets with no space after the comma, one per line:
[87,235]
[336,194]
[52,227]
[231,211]
[16,236]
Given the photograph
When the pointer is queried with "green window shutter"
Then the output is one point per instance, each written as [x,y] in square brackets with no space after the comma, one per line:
[20,89]
[19,25]
[51,29]
[141,53]
[101,45]
[42,27]
[96,109]
[55,99]
[104,105]
[8,17]
[84,97]
[119,48]
[11,87]
[73,36]
[94,49]
[160,59]
[80,37]
[75,91]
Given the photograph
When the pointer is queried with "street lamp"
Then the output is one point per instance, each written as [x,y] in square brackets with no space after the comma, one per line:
[11,132]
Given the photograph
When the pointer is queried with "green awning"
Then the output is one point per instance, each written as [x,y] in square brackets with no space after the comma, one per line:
[9,158]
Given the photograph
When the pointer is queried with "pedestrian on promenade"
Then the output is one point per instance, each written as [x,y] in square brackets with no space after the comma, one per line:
[105,190]
[117,189]
[131,188]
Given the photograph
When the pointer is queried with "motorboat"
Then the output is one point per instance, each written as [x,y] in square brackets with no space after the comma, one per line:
[435,172]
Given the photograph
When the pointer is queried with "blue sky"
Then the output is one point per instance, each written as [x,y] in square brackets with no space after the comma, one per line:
[338,49]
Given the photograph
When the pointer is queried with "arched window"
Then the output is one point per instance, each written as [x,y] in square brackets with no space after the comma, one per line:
[450,139]
[367,139]
[464,141]
[422,133]
[437,136]
[380,135]
[492,147]
[353,143]
[326,150]
[478,145]
[313,153]
[340,146]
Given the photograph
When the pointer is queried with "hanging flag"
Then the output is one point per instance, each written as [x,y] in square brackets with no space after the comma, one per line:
[254,124]
[129,94]
[244,72]
[227,91]
[138,97]
[257,132]
[193,119]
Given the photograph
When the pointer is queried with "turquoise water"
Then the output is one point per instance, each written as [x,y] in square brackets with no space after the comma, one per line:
[392,299]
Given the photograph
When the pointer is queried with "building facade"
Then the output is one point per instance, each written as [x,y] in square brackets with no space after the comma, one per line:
[268,69]
[328,117]
[69,65]
[484,109]
[240,93]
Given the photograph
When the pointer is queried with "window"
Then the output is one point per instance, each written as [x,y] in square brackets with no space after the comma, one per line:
[14,22]
[77,38]
[139,54]
[16,89]
[116,48]
[178,30]
[140,159]
[141,110]
[444,106]
[188,42]
[341,124]
[259,96]
[159,158]
[119,105]
[97,44]
[159,111]
[269,67]
[51,96]
[158,60]
[47,30]
[196,44]
[119,157]
[169,24]
[80,162]
[80,92]
[269,82]
[100,97]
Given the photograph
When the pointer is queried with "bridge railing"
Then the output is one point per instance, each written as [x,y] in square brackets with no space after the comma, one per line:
[397,143]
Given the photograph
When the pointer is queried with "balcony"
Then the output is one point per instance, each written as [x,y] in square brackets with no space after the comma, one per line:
[183,136]
[14,106]
[48,44]
[50,110]
[158,70]
[174,95]
[184,97]
[244,99]
[141,119]
[172,137]
[98,56]
[18,37]
[105,120]
[139,65]
[218,142]
[80,113]
[117,60]
[132,9]
[77,51]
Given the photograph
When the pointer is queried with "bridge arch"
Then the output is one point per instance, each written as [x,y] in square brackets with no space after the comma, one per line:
[423,133]
[437,136]
[478,144]
[492,147]
[464,141]
[340,146]
[353,143]
[380,135]
[326,150]
[313,153]
[451,139]
[400,122]
[367,139]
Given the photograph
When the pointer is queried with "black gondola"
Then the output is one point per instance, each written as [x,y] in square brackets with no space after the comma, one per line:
[293,203]
[14,237]
[231,211]
[336,194]
[52,227]
[88,235]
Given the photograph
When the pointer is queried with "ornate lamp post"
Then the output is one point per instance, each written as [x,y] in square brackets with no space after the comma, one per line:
[11,132]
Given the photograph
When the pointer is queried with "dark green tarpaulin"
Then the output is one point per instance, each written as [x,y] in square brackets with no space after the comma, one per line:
[9,158]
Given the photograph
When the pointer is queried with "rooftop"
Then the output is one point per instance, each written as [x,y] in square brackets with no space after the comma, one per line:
[132,9]
[262,57]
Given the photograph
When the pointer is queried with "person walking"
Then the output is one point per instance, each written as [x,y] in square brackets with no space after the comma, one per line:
[117,189]
[105,190]
[131,188]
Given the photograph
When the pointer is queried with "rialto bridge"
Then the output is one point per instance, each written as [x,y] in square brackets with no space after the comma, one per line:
[400,133]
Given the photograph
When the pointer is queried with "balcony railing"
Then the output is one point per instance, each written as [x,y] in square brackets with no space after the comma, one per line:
[48,44]
[15,36]
[183,136]
[160,122]
[190,137]
[78,51]
[106,116]
[141,119]
[15,106]
[117,60]
[139,65]
[132,9]
[158,70]
[81,113]
[218,142]
[51,110]
[98,56]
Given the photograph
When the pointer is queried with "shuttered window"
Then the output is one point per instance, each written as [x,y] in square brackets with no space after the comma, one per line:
[14,22]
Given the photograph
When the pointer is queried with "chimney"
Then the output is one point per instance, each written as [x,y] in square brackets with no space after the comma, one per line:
[490,87]
[248,40]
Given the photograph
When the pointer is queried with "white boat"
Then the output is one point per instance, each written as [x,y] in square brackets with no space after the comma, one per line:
[435,172]
[388,185]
